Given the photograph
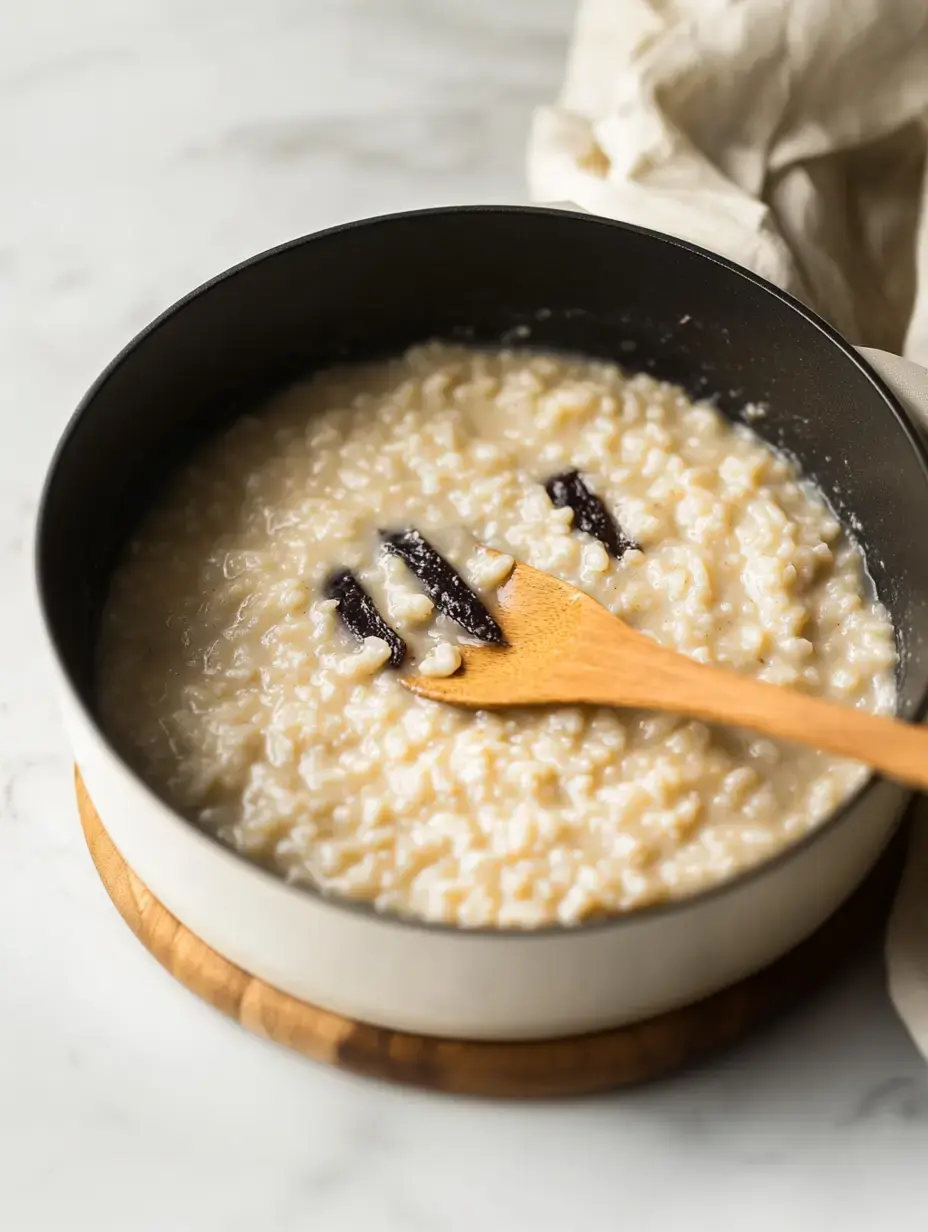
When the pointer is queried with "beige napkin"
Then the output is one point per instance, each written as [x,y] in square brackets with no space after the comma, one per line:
[790,137]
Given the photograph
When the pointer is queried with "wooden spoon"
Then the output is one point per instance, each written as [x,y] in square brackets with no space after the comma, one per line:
[565,648]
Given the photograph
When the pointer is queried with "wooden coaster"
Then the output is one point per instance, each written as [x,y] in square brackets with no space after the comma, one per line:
[579,1065]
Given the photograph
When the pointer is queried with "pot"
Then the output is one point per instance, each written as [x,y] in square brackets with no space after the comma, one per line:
[544,278]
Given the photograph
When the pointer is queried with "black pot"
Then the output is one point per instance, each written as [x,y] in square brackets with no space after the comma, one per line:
[542,278]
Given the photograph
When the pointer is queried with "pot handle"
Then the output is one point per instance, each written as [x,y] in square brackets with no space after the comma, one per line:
[907,380]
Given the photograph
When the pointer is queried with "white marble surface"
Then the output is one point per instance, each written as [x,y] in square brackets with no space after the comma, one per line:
[146,144]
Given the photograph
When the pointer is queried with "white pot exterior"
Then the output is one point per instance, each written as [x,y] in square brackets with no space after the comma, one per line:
[484,985]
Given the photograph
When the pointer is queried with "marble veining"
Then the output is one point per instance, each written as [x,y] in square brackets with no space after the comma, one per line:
[147,144]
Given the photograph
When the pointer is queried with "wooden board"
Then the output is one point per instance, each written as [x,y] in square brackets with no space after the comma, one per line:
[578,1065]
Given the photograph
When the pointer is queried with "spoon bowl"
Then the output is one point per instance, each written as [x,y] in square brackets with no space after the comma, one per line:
[542,619]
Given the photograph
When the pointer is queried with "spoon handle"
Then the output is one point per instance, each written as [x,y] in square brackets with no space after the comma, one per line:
[665,680]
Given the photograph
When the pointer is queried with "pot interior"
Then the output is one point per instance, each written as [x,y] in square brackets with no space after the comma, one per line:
[540,278]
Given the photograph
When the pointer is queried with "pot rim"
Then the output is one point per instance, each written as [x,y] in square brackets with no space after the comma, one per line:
[364,908]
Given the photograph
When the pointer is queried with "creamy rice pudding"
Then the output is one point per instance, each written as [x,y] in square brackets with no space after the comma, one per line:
[231,682]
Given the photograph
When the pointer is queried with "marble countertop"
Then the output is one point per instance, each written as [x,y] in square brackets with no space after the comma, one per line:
[147,144]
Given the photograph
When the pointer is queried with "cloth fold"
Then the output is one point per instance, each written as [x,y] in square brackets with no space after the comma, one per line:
[790,136]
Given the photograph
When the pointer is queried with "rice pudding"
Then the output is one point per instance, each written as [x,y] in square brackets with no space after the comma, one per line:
[231,682]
